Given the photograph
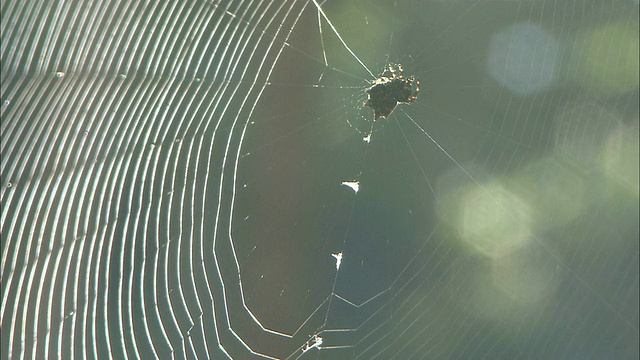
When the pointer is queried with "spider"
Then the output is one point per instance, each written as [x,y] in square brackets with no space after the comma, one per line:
[389,90]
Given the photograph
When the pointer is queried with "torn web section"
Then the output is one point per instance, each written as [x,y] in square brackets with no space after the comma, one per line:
[290,211]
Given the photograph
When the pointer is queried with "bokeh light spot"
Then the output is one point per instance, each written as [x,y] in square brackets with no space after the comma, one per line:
[493,220]
[581,131]
[555,191]
[607,58]
[523,58]
[620,159]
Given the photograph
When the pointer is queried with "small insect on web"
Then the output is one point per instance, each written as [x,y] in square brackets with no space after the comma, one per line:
[391,89]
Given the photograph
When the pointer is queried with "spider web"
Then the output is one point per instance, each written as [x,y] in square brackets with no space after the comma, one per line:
[201,180]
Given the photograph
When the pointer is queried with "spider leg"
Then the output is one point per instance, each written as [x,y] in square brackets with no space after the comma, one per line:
[414,96]
[415,93]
